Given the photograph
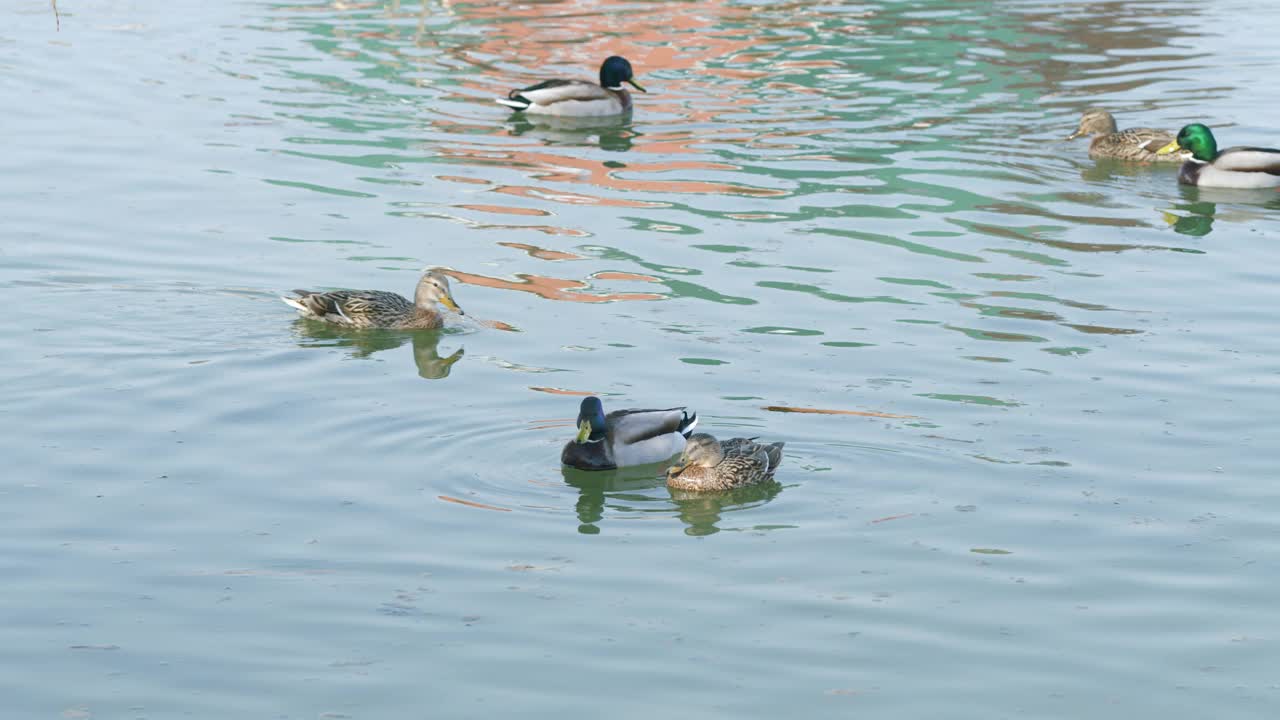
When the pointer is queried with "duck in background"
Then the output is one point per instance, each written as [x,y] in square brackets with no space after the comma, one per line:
[1138,143]
[578,98]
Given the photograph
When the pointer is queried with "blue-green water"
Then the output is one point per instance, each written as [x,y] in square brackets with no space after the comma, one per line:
[1041,482]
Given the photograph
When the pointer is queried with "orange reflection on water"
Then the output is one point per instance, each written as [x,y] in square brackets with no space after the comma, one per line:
[571,198]
[617,275]
[560,391]
[713,47]
[560,168]
[505,210]
[542,253]
[549,288]
[462,179]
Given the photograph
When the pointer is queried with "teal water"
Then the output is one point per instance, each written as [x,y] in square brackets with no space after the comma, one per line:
[1026,397]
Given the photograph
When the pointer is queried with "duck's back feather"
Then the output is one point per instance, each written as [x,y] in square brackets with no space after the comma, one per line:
[1249,159]
[362,309]
[634,426]
[641,437]
[1139,143]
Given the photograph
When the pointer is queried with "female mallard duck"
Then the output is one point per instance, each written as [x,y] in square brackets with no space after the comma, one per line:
[708,464]
[578,98]
[1235,167]
[625,437]
[379,308]
[1129,144]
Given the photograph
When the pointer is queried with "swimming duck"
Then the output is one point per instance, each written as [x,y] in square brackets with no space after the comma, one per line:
[1129,144]
[1235,167]
[379,308]
[708,464]
[578,98]
[625,437]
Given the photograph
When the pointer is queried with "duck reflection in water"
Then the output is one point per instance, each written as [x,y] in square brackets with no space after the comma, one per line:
[1203,207]
[702,511]
[364,343]
[610,134]
[640,489]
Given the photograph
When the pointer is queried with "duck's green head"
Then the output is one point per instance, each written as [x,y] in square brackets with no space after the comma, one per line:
[591,427]
[614,71]
[1198,139]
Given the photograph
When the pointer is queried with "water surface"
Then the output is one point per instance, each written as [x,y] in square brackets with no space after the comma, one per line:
[1027,398]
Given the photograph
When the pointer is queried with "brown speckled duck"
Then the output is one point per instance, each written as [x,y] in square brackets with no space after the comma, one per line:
[1138,143]
[379,308]
[708,464]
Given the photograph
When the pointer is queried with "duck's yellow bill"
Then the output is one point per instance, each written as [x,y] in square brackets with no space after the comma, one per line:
[1171,147]
[636,85]
[449,302]
[584,431]
[675,470]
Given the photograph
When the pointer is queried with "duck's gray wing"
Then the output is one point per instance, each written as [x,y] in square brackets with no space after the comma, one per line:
[1249,159]
[635,426]
[739,446]
[555,91]
[773,451]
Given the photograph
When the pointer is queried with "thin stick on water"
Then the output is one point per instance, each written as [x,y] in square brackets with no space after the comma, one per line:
[57,17]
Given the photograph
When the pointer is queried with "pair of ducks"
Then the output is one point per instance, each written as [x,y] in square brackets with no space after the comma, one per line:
[1203,164]
[626,438]
[623,438]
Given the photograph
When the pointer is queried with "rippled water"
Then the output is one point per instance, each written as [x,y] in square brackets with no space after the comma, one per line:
[1026,397]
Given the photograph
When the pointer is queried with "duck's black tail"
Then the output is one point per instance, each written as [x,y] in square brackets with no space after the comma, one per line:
[687,424]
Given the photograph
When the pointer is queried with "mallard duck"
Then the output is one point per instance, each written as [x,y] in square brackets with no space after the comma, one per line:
[578,98]
[708,464]
[1129,144]
[1235,167]
[625,437]
[379,308]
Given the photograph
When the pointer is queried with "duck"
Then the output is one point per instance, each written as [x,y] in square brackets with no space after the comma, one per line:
[578,98]
[1138,143]
[1235,167]
[363,309]
[708,464]
[626,438]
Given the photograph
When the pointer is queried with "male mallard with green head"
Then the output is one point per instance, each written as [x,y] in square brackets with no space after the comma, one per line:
[1129,144]
[625,437]
[379,308]
[1235,167]
[578,98]
[708,464]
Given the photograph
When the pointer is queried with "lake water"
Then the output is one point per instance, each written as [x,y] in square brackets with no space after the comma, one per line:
[1028,399]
